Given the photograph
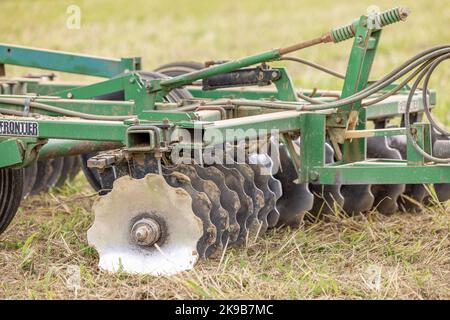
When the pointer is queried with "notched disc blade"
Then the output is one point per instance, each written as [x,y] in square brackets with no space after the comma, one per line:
[327,198]
[296,199]
[216,215]
[235,181]
[201,206]
[413,197]
[386,196]
[249,222]
[227,201]
[357,198]
[414,194]
[57,166]
[44,171]
[68,163]
[29,175]
[129,200]
[76,167]
[262,165]
[262,182]
[442,191]
[91,174]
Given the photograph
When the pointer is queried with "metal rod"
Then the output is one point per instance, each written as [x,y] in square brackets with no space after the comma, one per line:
[229,66]
[305,44]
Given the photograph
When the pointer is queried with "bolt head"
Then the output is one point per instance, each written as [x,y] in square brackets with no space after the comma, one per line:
[141,233]
[314,175]
[146,232]
[70,95]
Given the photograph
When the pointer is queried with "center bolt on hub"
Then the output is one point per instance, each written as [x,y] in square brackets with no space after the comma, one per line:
[146,232]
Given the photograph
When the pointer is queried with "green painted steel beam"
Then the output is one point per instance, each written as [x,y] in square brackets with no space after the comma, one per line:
[98,107]
[66,62]
[247,127]
[11,153]
[71,129]
[285,87]
[383,172]
[101,107]
[396,104]
[127,83]
[131,85]
[312,145]
[82,130]
[359,66]
[47,88]
[389,132]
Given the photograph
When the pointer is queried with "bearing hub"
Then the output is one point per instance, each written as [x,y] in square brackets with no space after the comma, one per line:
[146,232]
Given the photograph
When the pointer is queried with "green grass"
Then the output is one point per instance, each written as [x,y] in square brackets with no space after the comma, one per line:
[333,258]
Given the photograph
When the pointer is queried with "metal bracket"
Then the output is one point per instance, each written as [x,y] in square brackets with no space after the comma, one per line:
[26,106]
[102,161]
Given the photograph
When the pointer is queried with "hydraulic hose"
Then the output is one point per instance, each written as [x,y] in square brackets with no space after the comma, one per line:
[65,112]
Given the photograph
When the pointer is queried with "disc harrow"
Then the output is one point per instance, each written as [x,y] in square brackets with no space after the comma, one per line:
[42,175]
[192,159]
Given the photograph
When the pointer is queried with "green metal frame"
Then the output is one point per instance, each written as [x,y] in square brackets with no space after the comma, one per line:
[144,102]
[66,62]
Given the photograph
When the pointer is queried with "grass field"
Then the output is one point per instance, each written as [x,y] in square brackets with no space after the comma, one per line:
[404,255]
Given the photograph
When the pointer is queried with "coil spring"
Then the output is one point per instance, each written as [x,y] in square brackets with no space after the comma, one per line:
[387,17]
[343,33]
[390,16]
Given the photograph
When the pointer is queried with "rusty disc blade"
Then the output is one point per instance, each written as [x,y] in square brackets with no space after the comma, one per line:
[250,222]
[226,197]
[130,199]
[296,199]
[29,175]
[327,198]
[201,206]
[217,215]
[44,171]
[386,196]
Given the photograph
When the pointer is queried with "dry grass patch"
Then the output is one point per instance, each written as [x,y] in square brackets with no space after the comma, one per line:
[372,256]
[375,256]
